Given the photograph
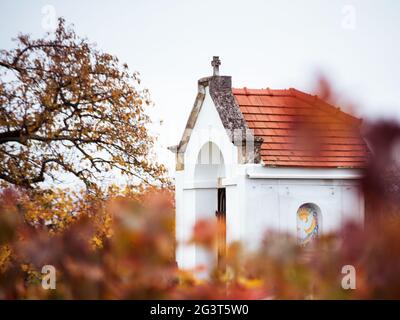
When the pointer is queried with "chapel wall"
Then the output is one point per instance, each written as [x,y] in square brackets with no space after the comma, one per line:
[272,204]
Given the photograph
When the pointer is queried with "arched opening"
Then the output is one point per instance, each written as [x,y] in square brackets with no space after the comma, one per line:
[210,196]
[309,221]
[210,163]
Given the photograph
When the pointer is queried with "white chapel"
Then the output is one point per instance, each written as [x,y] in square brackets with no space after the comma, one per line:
[263,159]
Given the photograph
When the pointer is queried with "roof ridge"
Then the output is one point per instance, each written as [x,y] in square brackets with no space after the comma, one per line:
[262,91]
[304,96]
[326,106]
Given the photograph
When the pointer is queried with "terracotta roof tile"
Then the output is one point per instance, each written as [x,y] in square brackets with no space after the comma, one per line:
[301,130]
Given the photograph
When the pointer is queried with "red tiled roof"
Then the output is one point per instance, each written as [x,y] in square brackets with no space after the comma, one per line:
[301,130]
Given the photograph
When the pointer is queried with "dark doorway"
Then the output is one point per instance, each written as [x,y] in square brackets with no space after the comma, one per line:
[221,216]
[222,200]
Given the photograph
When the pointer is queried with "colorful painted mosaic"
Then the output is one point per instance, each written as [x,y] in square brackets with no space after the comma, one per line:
[307,223]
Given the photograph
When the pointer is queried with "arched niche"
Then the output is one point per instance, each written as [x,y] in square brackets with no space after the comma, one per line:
[309,223]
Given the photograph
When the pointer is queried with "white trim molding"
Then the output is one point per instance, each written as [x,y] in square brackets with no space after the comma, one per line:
[262,172]
[210,184]
[203,184]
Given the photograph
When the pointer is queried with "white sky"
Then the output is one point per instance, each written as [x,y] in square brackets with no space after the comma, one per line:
[276,44]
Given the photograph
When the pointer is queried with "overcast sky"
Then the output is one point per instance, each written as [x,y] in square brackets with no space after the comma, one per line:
[276,44]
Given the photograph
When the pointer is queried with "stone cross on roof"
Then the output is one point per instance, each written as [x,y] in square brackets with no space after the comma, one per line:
[215,63]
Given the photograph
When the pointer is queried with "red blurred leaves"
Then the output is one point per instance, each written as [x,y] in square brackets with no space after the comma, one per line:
[205,233]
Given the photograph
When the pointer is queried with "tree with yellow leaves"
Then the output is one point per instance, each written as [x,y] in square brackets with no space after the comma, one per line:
[67,107]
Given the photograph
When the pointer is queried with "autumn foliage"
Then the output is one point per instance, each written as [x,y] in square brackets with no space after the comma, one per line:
[123,248]
[70,110]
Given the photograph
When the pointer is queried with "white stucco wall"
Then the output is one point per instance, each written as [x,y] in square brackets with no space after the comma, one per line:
[272,204]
